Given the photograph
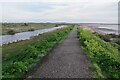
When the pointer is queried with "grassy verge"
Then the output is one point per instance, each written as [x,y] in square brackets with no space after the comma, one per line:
[11,49]
[17,65]
[12,28]
[112,38]
[103,56]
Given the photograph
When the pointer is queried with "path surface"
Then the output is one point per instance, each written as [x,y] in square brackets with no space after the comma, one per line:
[67,60]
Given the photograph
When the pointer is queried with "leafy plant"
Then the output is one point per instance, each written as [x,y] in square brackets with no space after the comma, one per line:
[101,53]
[18,65]
[11,32]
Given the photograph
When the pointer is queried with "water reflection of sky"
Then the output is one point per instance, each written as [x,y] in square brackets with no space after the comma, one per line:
[4,39]
[114,27]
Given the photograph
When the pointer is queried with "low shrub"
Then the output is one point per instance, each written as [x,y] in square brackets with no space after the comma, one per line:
[11,32]
[19,64]
[101,53]
[31,29]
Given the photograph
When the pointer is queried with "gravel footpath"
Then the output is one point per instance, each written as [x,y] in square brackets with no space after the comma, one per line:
[66,60]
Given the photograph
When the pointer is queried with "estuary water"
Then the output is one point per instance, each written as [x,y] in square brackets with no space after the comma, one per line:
[104,28]
[5,39]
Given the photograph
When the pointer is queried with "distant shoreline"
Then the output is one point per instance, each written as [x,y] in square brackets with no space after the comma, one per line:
[59,23]
[106,29]
[102,31]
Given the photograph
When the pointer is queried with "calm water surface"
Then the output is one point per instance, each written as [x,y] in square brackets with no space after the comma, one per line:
[5,39]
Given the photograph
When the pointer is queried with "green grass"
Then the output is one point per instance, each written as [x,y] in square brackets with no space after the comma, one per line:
[12,48]
[113,39]
[104,57]
[20,27]
[21,61]
[0,62]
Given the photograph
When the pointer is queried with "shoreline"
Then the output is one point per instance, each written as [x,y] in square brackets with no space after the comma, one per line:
[102,31]
[92,29]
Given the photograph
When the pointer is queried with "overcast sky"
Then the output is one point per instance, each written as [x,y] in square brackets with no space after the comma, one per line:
[59,11]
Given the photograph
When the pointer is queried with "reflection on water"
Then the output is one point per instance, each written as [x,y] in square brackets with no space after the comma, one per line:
[5,39]
[105,28]
[108,29]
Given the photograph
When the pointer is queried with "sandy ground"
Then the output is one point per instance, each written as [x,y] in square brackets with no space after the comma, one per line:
[67,60]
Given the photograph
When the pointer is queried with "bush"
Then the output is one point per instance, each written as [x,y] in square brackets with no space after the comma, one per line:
[31,29]
[118,41]
[113,35]
[119,36]
[101,53]
[25,24]
[105,37]
[11,32]
[56,25]
[17,65]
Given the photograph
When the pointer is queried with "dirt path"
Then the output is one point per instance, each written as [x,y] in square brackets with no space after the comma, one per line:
[67,60]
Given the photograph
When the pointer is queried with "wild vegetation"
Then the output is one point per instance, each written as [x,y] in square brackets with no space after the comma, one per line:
[22,27]
[104,57]
[11,32]
[17,65]
[114,39]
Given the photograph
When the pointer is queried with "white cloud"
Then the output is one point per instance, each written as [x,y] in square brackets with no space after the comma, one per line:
[61,10]
[62,1]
